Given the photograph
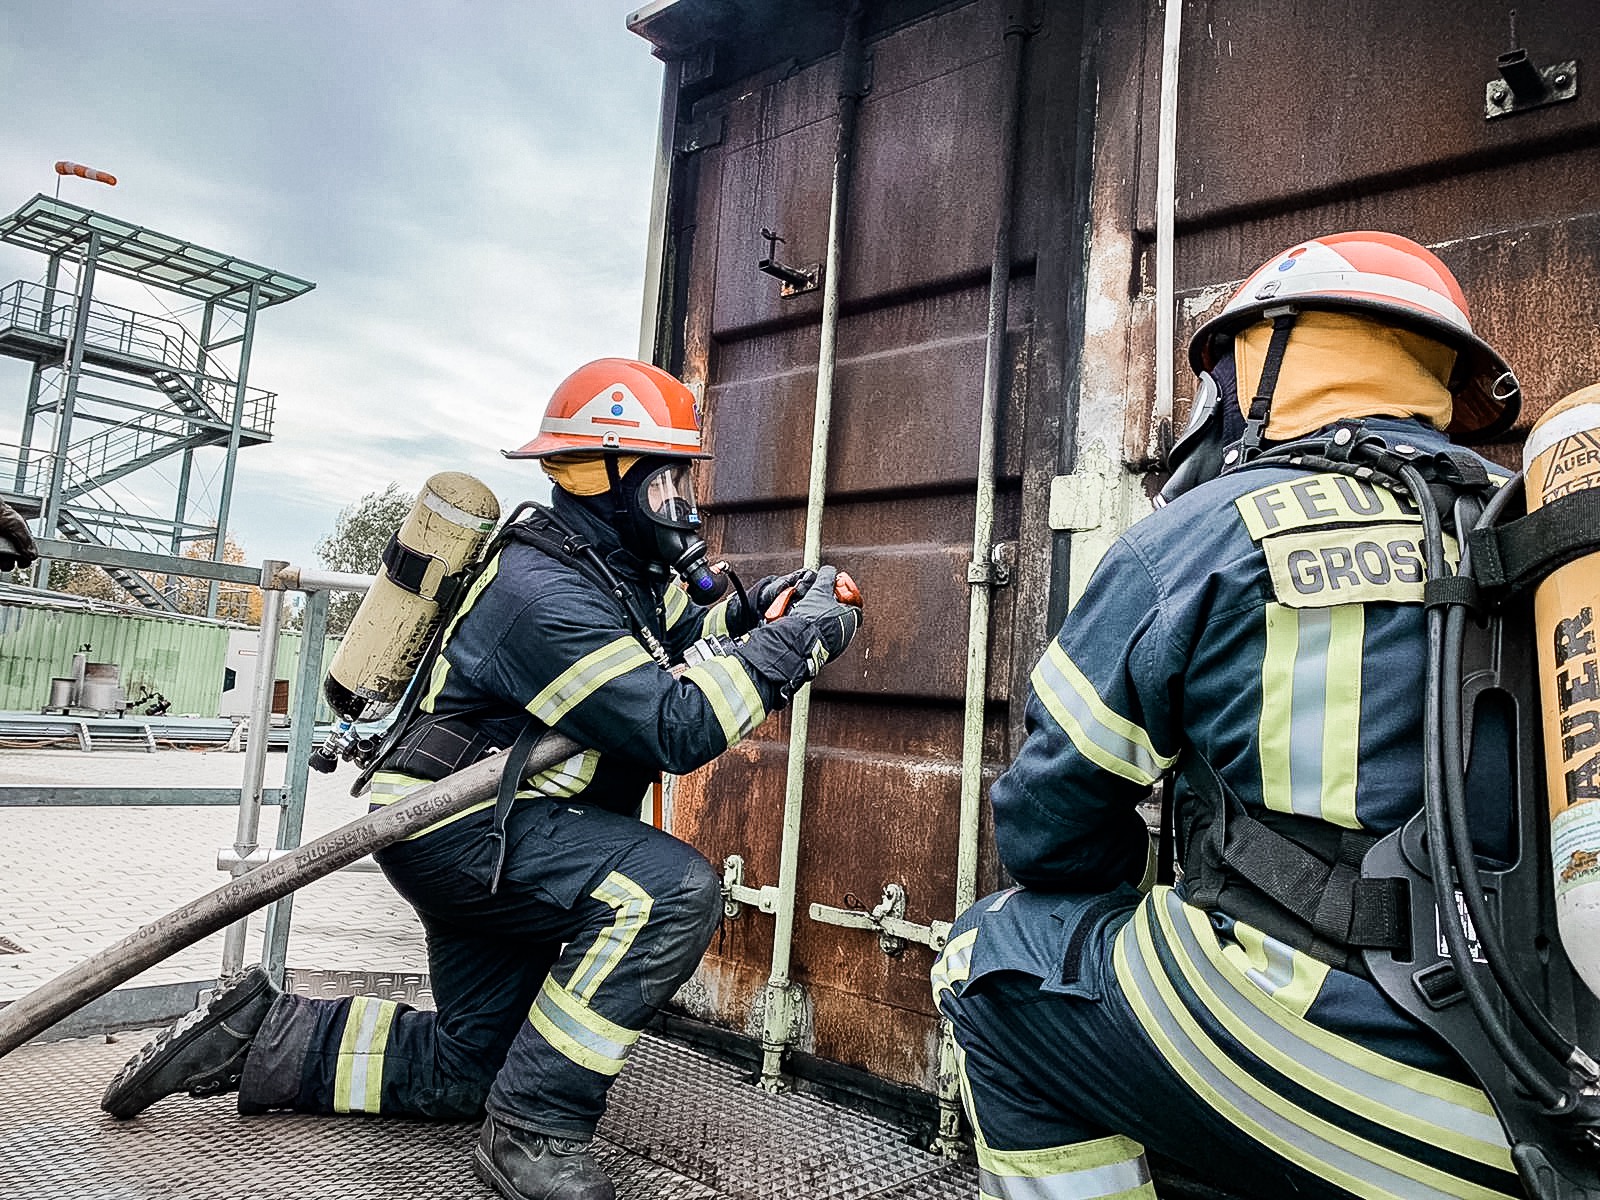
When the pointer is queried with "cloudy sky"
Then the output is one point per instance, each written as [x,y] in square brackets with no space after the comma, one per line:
[467,184]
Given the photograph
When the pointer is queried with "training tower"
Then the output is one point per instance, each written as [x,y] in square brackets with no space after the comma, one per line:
[119,401]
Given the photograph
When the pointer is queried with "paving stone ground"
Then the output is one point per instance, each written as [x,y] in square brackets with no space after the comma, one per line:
[76,879]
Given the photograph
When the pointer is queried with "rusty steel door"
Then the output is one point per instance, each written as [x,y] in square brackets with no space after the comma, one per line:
[755,150]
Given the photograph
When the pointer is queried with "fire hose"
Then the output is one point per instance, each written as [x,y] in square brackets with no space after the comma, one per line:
[149,944]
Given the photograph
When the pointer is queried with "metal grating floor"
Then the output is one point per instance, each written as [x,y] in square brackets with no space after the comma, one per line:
[682,1126]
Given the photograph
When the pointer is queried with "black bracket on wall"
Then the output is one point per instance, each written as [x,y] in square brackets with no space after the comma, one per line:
[1523,85]
[796,280]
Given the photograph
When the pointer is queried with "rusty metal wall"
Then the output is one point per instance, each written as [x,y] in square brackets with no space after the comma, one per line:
[886,726]
[1369,114]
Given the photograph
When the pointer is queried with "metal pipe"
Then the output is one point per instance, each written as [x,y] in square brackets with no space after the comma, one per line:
[255,751]
[219,544]
[50,511]
[1166,209]
[296,767]
[982,574]
[304,579]
[778,1021]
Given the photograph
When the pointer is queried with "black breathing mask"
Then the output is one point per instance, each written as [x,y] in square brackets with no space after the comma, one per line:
[1215,422]
[660,523]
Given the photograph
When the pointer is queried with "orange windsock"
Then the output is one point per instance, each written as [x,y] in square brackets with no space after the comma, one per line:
[83,172]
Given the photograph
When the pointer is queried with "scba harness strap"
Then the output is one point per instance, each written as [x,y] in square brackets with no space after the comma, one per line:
[431,746]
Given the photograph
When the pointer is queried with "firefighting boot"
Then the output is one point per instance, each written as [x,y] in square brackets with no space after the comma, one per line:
[203,1054]
[533,1166]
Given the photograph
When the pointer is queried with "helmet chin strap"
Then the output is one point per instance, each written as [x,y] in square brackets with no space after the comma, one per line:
[1255,421]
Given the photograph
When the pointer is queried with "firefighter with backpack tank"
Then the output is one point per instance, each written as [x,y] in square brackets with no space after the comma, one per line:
[557,922]
[1260,642]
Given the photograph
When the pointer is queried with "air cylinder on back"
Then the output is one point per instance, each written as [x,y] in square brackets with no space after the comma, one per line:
[1561,457]
[444,532]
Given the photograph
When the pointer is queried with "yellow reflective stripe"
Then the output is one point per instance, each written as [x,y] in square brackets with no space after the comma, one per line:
[1108,740]
[1108,1168]
[441,667]
[1341,731]
[953,966]
[1310,726]
[1292,980]
[587,676]
[358,1073]
[565,779]
[1103,1168]
[1361,1167]
[732,694]
[632,906]
[389,786]
[1389,1093]
[578,1032]
[716,622]
[676,603]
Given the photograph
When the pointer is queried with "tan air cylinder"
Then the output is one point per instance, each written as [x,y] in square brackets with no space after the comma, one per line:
[1562,456]
[443,533]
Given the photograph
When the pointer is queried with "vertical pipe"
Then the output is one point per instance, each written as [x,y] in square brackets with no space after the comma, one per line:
[255,752]
[220,544]
[1166,205]
[50,511]
[778,1024]
[302,722]
[981,577]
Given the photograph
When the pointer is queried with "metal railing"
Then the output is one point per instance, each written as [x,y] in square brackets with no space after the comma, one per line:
[189,375]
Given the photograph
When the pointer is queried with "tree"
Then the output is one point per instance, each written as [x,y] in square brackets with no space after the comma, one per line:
[360,533]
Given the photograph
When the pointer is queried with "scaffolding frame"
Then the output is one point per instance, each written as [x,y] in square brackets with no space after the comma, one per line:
[151,387]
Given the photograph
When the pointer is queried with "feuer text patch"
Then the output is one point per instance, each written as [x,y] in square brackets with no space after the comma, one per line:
[1314,501]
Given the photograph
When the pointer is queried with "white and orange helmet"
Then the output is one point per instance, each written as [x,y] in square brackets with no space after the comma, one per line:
[618,405]
[1391,278]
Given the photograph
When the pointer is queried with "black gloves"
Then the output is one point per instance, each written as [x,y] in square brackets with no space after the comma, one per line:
[16,543]
[767,589]
[832,622]
[789,651]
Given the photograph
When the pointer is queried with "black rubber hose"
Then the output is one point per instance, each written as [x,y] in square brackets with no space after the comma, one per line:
[148,945]
[1438,838]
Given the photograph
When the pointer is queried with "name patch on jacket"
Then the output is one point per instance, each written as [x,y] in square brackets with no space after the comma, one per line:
[1315,501]
[1324,567]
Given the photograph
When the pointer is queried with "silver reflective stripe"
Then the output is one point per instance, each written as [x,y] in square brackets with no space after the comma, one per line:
[1104,737]
[1088,1184]
[1294,1139]
[1308,711]
[1319,1062]
[359,1065]
[591,1040]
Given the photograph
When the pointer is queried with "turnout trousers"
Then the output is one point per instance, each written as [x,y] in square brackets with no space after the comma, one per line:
[541,986]
[1092,1029]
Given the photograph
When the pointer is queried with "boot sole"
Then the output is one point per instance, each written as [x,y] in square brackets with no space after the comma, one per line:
[486,1171]
[166,1046]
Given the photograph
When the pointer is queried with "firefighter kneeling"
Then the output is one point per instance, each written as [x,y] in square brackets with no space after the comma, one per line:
[1261,636]
[557,922]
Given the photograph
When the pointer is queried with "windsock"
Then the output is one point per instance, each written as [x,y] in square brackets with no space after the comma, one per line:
[82,172]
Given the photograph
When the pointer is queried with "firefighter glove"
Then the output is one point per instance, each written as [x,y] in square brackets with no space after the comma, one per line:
[833,623]
[16,543]
[767,590]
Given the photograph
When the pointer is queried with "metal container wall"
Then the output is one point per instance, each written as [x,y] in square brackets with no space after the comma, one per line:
[182,660]
[883,773]
[1290,120]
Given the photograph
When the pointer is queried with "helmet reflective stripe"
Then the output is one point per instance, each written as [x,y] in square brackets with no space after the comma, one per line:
[1390,278]
[1321,271]
[618,404]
